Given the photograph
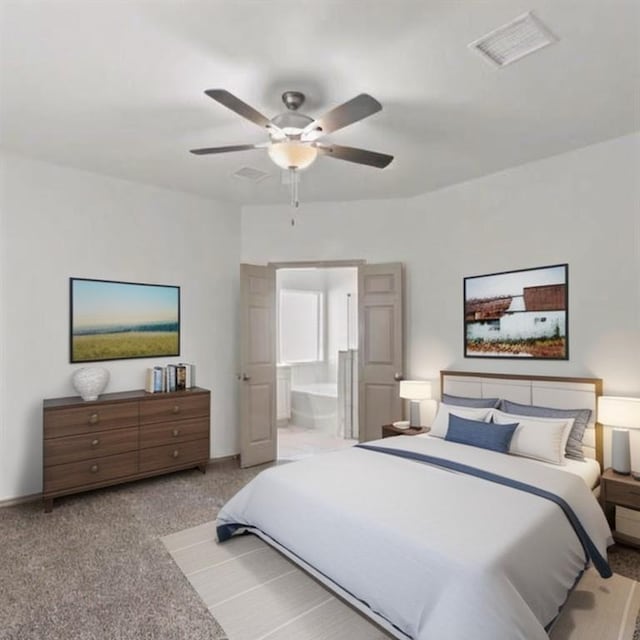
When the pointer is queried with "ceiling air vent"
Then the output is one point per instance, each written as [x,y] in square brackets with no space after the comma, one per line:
[513,41]
[249,173]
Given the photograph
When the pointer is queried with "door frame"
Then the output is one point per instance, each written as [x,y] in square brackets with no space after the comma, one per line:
[317,264]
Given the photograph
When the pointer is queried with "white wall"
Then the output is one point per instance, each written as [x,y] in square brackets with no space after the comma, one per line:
[56,223]
[581,207]
[342,314]
[303,280]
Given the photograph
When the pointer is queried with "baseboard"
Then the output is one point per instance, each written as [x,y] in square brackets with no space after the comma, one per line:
[11,502]
[214,461]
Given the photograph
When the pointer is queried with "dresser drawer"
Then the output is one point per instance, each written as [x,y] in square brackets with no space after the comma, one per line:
[623,494]
[89,445]
[157,434]
[174,455]
[67,422]
[87,472]
[177,407]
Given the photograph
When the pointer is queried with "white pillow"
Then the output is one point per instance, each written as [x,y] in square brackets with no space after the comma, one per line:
[440,424]
[538,438]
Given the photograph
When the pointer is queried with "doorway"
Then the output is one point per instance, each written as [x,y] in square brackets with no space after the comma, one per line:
[380,353]
[317,360]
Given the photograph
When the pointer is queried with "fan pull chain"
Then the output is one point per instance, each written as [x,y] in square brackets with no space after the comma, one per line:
[294,181]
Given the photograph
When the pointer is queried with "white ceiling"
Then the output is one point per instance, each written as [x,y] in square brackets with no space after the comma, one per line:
[116,87]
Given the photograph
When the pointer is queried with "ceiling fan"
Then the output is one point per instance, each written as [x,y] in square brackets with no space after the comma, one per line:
[294,138]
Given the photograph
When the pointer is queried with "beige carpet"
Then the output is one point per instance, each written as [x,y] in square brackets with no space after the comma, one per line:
[257,594]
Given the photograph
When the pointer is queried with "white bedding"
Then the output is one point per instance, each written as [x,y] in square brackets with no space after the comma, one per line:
[588,469]
[429,553]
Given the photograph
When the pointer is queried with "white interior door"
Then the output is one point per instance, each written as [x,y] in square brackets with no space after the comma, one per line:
[258,427]
[381,346]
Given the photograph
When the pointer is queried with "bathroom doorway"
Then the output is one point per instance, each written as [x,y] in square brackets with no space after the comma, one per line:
[316,346]
[380,354]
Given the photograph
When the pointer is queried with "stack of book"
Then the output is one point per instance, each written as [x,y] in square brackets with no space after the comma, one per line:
[172,377]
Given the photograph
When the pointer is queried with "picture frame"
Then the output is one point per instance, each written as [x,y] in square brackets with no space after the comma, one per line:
[115,320]
[521,314]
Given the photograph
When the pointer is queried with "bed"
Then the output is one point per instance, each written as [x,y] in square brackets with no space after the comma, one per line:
[433,538]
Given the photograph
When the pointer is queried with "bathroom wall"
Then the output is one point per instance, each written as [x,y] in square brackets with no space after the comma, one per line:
[342,314]
[339,313]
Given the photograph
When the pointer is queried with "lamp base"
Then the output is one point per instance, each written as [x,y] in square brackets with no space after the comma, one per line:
[620,451]
[414,413]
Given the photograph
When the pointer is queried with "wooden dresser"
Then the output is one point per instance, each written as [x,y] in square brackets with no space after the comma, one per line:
[122,437]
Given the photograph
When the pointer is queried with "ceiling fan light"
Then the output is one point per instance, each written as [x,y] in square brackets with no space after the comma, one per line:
[292,154]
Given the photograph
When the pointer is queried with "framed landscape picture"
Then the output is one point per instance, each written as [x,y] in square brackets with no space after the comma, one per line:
[112,320]
[517,314]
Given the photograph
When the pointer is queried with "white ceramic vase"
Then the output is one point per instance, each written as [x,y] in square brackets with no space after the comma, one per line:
[90,382]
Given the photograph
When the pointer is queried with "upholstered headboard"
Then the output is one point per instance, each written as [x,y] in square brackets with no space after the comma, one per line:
[546,391]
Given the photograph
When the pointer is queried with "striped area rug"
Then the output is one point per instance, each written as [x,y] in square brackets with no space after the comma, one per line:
[255,593]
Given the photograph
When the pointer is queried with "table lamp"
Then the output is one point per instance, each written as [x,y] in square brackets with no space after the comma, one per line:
[619,412]
[414,391]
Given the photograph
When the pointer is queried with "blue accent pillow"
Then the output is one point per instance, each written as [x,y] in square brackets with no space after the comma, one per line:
[581,417]
[486,435]
[481,403]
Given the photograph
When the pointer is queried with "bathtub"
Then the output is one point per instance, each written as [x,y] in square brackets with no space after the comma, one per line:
[315,406]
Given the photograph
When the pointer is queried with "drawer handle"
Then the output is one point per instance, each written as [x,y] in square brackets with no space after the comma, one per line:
[94,418]
[175,433]
[94,468]
[176,408]
[175,453]
[95,443]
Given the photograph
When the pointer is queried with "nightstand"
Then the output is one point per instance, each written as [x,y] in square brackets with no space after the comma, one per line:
[388,430]
[619,491]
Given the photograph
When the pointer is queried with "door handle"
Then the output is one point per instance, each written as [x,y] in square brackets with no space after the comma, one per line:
[398,377]
[245,377]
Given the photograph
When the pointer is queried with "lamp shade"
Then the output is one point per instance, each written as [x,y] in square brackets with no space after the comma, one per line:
[415,389]
[292,154]
[619,412]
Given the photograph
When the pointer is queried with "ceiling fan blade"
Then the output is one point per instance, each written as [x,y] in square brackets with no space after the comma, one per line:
[241,108]
[351,111]
[353,154]
[235,147]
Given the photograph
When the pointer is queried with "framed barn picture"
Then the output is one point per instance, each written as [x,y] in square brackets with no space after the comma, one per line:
[112,320]
[517,314]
